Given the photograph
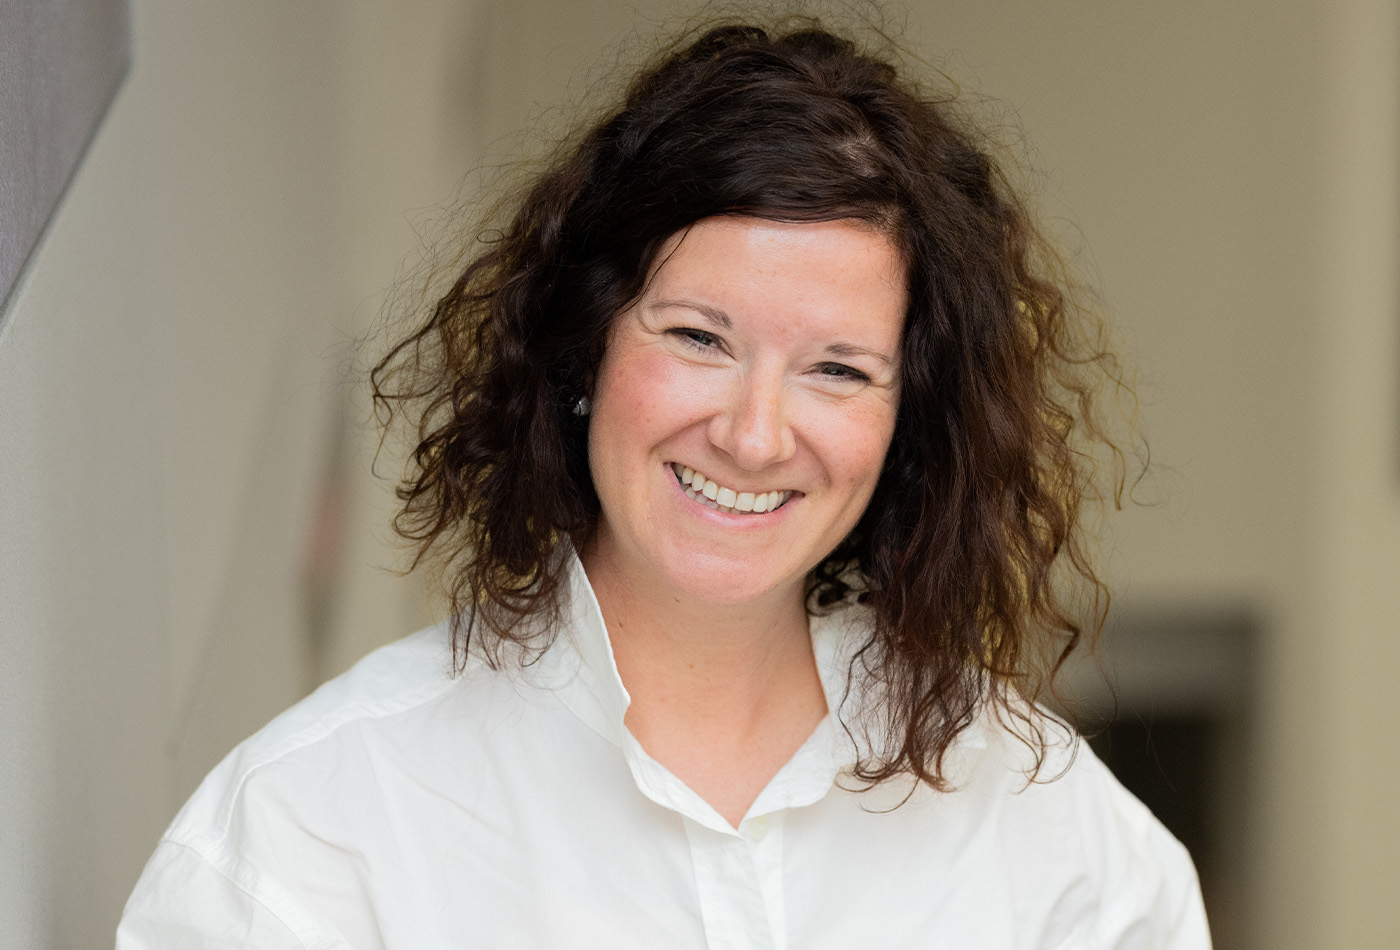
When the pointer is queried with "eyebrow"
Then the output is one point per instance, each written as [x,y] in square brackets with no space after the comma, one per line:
[847,349]
[721,319]
[716,316]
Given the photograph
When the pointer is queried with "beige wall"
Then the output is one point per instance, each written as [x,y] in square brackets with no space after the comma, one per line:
[170,393]
[1352,630]
[170,385]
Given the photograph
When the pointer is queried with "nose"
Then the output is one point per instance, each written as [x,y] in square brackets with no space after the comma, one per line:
[753,427]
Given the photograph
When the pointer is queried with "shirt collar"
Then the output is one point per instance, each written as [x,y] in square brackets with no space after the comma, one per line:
[580,662]
[580,667]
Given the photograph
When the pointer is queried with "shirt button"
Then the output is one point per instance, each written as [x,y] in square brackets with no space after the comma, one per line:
[758,828]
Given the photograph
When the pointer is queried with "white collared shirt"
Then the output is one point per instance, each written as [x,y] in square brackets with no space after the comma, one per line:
[401,807]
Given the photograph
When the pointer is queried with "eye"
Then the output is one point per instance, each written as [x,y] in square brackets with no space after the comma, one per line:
[840,371]
[698,339]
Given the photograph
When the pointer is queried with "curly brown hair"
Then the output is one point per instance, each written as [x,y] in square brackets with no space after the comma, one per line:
[971,555]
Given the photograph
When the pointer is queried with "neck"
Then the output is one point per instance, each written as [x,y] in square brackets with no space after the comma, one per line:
[697,647]
[722,695]
[683,651]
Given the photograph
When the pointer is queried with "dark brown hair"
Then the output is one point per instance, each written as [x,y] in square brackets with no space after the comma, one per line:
[971,550]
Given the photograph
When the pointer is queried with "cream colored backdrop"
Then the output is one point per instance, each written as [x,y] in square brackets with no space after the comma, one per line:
[171,400]
[172,407]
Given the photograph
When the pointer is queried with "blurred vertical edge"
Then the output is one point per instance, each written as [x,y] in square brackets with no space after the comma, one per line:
[61,63]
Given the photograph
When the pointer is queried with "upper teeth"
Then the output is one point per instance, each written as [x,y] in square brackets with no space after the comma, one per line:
[727,499]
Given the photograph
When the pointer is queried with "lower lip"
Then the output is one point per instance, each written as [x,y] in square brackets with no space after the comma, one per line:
[734,518]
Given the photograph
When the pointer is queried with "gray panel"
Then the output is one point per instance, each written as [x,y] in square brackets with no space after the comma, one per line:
[60,64]
[1168,660]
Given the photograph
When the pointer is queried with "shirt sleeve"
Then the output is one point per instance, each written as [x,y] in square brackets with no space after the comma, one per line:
[1159,908]
[188,899]
[1152,896]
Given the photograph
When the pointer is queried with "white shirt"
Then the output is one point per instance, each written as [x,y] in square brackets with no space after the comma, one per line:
[401,807]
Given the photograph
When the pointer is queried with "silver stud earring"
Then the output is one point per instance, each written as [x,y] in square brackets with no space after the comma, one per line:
[582,407]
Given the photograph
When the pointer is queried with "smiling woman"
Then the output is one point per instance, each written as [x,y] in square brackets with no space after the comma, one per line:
[753,451]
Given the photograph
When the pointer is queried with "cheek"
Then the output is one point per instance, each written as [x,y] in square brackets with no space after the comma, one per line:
[855,447]
[639,400]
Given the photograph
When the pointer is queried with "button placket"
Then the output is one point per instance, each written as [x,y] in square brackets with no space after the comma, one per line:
[732,896]
[765,843]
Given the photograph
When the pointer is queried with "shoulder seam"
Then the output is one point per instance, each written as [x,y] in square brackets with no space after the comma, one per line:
[321,729]
[258,887]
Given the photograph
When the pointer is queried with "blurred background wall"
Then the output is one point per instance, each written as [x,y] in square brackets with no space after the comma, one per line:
[190,536]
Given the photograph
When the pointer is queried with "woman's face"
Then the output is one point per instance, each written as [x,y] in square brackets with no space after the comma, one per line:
[764,356]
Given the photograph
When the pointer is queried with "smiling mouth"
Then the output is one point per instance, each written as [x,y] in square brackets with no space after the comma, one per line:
[708,492]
